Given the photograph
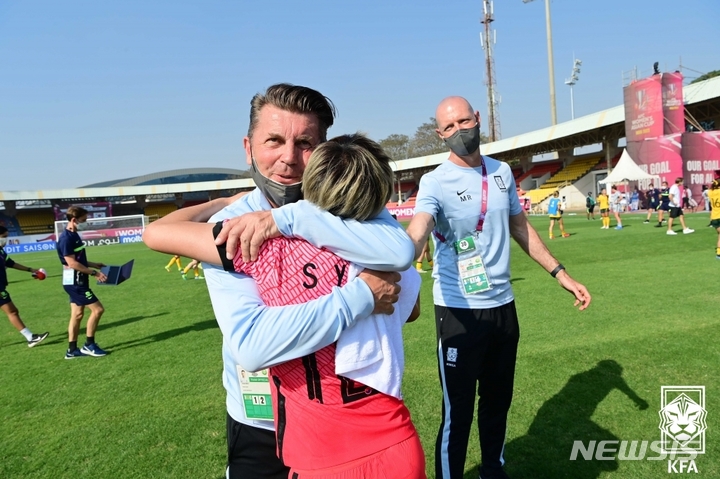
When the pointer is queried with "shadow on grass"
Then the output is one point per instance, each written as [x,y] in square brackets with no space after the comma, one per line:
[512,280]
[162,336]
[126,321]
[544,452]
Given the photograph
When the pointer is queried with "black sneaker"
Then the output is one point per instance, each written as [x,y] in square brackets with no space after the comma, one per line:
[646,221]
[37,339]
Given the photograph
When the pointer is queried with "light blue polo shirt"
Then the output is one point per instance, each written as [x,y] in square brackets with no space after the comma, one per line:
[452,195]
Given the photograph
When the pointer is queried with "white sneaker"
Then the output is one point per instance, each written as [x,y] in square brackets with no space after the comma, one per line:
[671,232]
[687,231]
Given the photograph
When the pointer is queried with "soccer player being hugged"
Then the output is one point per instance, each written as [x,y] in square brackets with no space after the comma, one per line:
[555,214]
[714,196]
[75,279]
[329,422]
[6,303]
[604,203]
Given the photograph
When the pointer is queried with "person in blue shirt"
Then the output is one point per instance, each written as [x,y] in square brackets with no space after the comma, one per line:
[76,275]
[471,206]
[555,212]
[6,302]
[287,122]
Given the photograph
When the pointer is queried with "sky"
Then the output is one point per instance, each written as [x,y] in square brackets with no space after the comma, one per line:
[95,91]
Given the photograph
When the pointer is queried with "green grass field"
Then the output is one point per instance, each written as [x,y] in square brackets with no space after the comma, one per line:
[154,408]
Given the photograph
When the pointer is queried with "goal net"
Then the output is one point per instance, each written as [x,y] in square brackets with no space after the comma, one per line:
[108,230]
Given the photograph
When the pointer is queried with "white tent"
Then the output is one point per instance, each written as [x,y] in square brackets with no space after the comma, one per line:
[627,170]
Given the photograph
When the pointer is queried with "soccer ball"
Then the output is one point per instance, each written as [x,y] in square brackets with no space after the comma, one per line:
[40,274]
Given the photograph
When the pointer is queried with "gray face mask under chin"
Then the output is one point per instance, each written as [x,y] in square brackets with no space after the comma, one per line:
[277,193]
[464,142]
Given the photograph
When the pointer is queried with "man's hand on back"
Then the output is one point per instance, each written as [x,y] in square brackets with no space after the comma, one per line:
[384,287]
[250,231]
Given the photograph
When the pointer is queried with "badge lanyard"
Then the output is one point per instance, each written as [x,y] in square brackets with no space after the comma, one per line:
[483,204]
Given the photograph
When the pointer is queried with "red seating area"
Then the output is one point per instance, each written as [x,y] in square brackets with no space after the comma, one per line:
[541,169]
[603,164]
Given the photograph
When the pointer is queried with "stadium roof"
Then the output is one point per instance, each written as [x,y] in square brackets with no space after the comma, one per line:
[702,100]
[186,175]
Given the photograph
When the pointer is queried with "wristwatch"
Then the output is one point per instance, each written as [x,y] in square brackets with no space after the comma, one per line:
[557,269]
[93,273]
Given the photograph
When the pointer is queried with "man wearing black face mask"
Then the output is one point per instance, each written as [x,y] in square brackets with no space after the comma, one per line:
[287,122]
[471,206]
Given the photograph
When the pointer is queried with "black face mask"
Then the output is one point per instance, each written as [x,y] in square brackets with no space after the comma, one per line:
[465,141]
[277,193]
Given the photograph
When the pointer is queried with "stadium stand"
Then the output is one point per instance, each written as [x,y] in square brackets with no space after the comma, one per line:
[541,169]
[11,224]
[158,210]
[571,173]
[35,222]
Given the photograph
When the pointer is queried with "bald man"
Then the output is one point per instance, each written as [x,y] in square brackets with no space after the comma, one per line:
[471,206]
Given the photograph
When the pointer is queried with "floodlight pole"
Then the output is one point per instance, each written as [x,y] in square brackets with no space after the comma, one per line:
[551,68]
[571,82]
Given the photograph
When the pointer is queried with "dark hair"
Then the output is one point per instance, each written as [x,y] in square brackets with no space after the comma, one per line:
[295,99]
[3,230]
[76,212]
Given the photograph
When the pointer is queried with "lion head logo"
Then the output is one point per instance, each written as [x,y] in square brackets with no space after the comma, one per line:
[683,420]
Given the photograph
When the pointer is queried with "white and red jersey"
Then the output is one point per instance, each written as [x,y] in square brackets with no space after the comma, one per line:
[321,419]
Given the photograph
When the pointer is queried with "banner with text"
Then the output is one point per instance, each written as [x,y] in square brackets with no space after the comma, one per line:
[658,156]
[643,109]
[701,156]
[672,103]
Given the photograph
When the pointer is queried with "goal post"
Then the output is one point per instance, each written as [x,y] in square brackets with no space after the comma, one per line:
[108,229]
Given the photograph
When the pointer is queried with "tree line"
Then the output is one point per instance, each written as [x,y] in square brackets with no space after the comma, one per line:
[424,142]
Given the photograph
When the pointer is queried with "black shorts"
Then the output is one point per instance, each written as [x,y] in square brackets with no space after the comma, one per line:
[603,211]
[675,212]
[252,453]
[664,207]
[590,209]
[652,206]
[715,223]
[4,298]
[81,295]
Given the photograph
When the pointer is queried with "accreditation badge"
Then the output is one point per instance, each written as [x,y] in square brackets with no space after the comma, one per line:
[68,276]
[255,390]
[473,276]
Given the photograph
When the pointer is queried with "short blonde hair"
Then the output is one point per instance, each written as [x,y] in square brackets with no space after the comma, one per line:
[349,176]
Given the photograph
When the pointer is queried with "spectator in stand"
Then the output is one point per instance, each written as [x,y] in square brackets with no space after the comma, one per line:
[652,196]
[664,203]
[635,200]
[706,198]
[616,205]
[676,200]
[6,303]
[590,205]
[687,195]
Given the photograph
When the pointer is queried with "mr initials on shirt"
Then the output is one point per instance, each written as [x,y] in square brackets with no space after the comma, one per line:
[312,280]
[466,197]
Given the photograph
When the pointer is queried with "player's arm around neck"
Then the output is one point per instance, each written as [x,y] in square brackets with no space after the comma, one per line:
[186,232]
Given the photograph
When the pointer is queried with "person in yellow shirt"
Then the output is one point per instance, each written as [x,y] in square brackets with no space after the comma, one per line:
[714,196]
[604,203]
[174,261]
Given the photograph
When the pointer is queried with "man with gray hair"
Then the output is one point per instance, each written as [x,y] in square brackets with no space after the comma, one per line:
[471,206]
[287,122]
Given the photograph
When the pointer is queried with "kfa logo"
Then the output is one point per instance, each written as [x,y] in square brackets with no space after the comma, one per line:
[682,424]
[452,356]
